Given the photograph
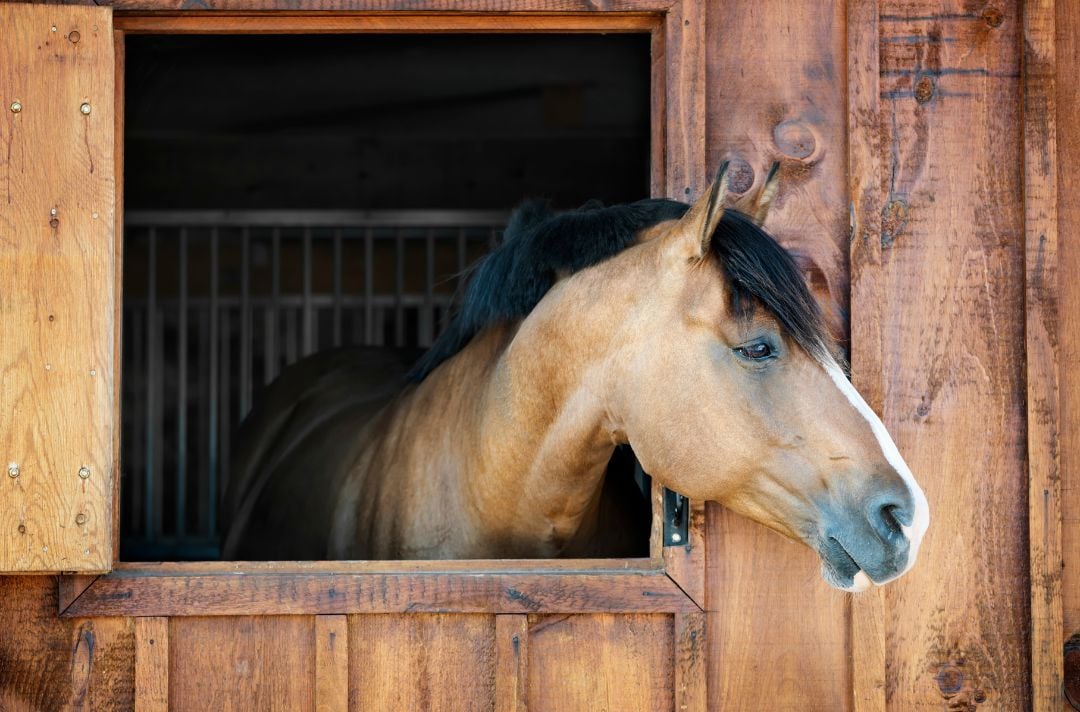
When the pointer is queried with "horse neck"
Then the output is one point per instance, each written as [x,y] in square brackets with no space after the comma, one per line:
[544,434]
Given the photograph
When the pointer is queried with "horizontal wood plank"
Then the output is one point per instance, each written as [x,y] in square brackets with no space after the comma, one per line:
[504,7]
[381,23]
[426,566]
[126,593]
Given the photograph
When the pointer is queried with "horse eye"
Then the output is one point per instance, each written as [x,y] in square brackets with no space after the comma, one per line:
[756,352]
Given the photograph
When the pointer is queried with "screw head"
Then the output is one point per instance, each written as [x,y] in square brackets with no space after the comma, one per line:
[13,470]
[16,107]
[80,519]
[85,108]
[676,537]
[84,472]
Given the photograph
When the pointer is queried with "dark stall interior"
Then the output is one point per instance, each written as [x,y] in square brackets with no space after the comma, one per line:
[286,194]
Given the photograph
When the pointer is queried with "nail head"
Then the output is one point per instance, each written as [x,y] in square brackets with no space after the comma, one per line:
[85,108]
[16,107]
[84,472]
[13,470]
[676,538]
[80,519]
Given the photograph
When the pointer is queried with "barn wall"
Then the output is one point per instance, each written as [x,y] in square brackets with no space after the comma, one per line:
[938,255]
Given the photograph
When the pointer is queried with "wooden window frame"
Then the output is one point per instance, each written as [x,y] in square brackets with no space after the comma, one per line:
[670,580]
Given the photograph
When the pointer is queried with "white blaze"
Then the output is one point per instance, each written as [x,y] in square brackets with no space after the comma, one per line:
[920,520]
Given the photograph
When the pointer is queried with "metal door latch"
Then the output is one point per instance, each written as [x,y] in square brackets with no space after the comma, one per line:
[676,519]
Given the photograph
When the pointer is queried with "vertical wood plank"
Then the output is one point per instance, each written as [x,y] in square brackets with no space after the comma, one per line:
[57,300]
[867,629]
[151,664]
[53,663]
[952,291]
[686,564]
[120,56]
[690,660]
[1041,340]
[777,93]
[511,662]
[331,663]
[601,662]
[242,663]
[684,42]
[437,662]
[1068,169]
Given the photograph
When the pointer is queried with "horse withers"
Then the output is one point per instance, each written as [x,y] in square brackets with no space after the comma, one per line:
[686,332]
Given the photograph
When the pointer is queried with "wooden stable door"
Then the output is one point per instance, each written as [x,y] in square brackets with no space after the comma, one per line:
[58,289]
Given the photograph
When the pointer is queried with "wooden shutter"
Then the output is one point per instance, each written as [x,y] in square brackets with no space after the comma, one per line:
[58,289]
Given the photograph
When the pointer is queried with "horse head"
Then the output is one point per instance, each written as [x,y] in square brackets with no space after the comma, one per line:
[728,389]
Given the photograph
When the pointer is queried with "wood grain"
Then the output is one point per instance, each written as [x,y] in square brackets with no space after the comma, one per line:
[601,662]
[511,662]
[127,594]
[446,7]
[952,295]
[1068,186]
[243,663]
[1041,341]
[441,663]
[867,631]
[776,93]
[151,664]
[686,564]
[71,587]
[58,295]
[691,680]
[282,23]
[52,663]
[331,663]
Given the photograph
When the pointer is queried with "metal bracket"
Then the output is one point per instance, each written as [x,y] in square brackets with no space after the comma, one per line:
[676,519]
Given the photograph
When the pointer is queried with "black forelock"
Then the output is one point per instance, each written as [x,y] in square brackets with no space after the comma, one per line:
[759,270]
[539,246]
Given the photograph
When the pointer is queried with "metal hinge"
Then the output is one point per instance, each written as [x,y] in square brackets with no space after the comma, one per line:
[676,519]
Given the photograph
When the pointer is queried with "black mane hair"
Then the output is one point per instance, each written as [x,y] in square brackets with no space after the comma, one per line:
[538,246]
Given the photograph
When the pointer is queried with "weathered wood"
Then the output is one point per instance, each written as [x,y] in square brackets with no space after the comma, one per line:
[601,662]
[118,259]
[71,587]
[1068,188]
[511,662]
[281,23]
[132,594]
[504,7]
[1041,341]
[691,691]
[331,663]
[867,629]
[440,663]
[952,295]
[405,566]
[686,564]
[776,93]
[57,299]
[684,101]
[244,663]
[789,641]
[52,663]
[151,664]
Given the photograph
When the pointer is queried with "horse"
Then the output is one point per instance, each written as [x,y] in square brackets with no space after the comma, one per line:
[684,331]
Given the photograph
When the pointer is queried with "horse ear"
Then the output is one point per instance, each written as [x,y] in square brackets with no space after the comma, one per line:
[765,195]
[697,226]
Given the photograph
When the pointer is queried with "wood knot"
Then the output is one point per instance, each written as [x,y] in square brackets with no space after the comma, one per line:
[795,139]
[740,175]
[924,89]
[993,16]
[1071,683]
[74,37]
[950,680]
[894,217]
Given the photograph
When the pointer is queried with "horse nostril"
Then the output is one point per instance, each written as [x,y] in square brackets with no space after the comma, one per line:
[888,519]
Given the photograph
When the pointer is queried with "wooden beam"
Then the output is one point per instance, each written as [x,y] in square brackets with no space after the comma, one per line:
[182,594]
[511,662]
[1041,341]
[690,662]
[442,7]
[71,586]
[331,663]
[411,22]
[151,664]
[866,633]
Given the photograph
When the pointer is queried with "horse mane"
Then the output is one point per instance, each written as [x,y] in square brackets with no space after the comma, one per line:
[540,246]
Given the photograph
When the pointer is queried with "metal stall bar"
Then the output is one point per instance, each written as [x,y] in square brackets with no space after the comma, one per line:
[245,322]
[181,398]
[152,379]
[338,286]
[308,322]
[212,426]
